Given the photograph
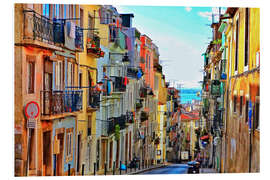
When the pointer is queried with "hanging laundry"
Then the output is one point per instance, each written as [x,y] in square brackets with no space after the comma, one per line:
[139,74]
[71,29]
[109,88]
[128,43]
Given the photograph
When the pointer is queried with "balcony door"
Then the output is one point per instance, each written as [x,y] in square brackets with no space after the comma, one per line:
[48,74]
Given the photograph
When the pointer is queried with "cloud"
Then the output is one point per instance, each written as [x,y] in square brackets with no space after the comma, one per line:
[188,9]
[215,11]
[206,14]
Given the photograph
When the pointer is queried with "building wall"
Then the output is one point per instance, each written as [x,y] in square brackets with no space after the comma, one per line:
[246,85]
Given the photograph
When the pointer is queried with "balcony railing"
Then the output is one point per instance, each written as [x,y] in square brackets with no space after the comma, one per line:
[38,27]
[93,98]
[93,45]
[132,72]
[143,92]
[111,126]
[118,84]
[57,102]
[79,38]
[121,121]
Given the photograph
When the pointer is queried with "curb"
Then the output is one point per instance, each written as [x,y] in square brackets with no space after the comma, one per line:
[145,170]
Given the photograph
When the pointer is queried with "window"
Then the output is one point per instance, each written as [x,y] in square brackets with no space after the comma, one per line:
[31,74]
[247,104]
[80,80]
[70,74]
[81,17]
[90,26]
[56,11]
[69,144]
[74,11]
[234,103]
[236,45]
[58,75]
[65,11]
[46,10]
[241,104]
[146,61]
[257,114]
[246,39]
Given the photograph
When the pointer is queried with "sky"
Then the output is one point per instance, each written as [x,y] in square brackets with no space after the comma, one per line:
[182,35]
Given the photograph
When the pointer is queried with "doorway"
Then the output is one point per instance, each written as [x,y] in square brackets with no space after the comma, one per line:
[78,152]
[47,154]
[59,156]
[111,154]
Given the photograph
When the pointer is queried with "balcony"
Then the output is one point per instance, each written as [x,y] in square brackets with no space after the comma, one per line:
[121,121]
[129,118]
[215,88]
[143,92]
[93,45]
[58,102]
[79,39]
[93,99]
[132,72]
[144,116]
[139,104]
[43,29]
[118,84]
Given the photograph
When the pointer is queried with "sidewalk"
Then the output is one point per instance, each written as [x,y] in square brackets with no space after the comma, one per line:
[130,171]
[207,170]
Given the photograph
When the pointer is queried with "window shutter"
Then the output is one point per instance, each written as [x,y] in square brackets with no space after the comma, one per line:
[102,15]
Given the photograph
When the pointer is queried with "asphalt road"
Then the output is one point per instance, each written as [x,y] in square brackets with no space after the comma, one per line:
[170,169]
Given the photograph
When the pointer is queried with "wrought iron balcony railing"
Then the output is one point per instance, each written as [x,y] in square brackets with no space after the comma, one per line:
[38,27]
[121,121]
[132,72]
[93,98]
[118,84]
[57,102]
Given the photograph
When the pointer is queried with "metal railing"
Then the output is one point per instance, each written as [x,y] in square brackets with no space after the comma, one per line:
[57,102]
[93,99]
[132,72]
[38,27]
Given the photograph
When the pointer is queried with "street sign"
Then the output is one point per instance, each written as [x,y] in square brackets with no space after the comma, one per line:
[249,115]
[31,112]
[31,123]
[32,109]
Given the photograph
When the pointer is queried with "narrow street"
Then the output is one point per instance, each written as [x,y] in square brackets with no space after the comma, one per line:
[125,90]
[170,169]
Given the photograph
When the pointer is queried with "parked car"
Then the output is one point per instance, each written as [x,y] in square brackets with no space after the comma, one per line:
[193,167]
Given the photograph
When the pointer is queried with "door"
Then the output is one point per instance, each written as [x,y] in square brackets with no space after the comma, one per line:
[111,154]
[103,149]
[59,156]
[117,154]
[48,70]
[47,154]
[98,154]
[126,147]
[78,152]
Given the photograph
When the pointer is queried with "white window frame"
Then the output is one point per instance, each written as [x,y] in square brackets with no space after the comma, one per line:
[246,67]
